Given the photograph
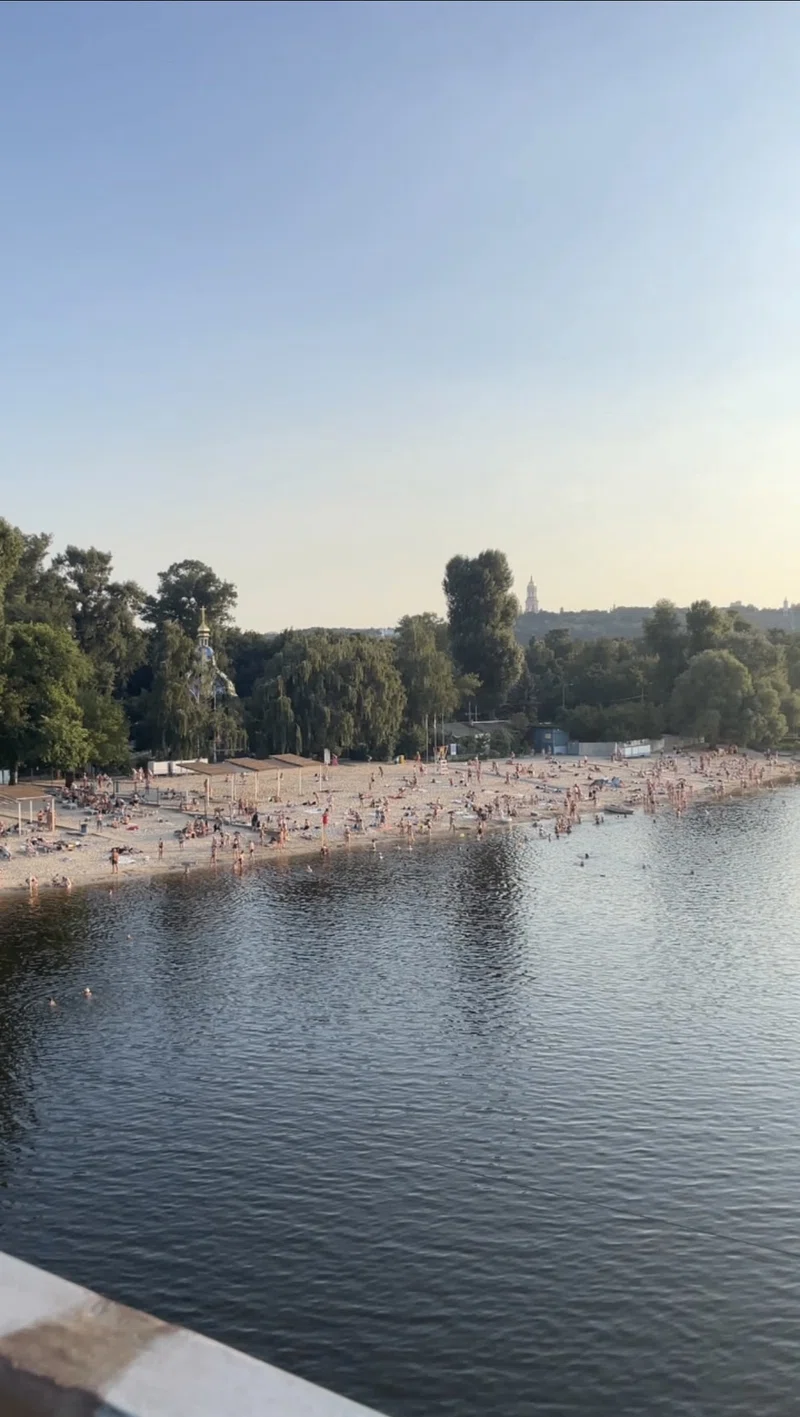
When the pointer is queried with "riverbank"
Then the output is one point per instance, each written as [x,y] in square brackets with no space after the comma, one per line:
[365,805]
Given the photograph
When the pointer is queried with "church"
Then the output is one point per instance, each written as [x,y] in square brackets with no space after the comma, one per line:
[207,680]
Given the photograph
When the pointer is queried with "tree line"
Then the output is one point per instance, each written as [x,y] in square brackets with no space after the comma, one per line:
[709,675]
[94,670]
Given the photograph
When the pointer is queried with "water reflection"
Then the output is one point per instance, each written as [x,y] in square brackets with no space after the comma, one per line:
[459,1129]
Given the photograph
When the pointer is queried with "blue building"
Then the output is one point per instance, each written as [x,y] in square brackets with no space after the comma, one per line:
[549,739]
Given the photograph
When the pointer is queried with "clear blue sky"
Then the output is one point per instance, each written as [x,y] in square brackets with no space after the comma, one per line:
[322,294]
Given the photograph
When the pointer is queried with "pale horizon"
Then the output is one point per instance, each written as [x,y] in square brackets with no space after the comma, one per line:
[326,294]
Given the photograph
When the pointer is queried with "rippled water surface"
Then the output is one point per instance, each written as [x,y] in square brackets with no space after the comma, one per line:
[470,1129]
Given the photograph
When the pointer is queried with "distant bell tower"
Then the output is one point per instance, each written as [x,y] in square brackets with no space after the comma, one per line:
[531,599]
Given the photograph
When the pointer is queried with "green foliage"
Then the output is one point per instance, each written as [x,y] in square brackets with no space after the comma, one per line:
[184,590]
[561,646]
[616,723]
[174,719]
[102,613]
[548,678]
[608,672]
[523,702]
[36,593]
[246,653]
[717,699]
[79,676]
[593,673]
[503,742]
[426,669]
[106,726]
[613,690]
[666,642]
[706,626]
[41,721]
[791,650]
[273,726]
[482,613]
[341,692]
[11,548]
[474,745]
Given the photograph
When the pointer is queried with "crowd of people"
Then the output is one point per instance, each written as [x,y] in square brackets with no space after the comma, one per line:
[371,803]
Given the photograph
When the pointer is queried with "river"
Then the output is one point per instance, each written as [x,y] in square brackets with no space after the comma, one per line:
[462,1130]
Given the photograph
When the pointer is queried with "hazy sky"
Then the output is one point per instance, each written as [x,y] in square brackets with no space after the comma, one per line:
[322,294]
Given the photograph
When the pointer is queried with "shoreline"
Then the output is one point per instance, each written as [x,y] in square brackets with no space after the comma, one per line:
[553,796]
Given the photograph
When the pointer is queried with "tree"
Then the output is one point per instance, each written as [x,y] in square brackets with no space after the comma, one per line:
[666,641]
[246,654]
[41,721]
[767,725]
[482,613]
[550,677]
[103,613]
[608,672]
[616,723]
[272,722]
[706,626]
[561,645]
[184,590]
[324,690]
[791,649]
[523,699]
[35,593]
[427,671]
[176,722]
[11,548]
[713,698]
[106,726]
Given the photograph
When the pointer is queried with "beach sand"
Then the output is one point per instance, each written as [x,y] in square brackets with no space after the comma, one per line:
[420,802]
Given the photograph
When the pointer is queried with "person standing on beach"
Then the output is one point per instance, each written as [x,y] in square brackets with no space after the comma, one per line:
[114,857]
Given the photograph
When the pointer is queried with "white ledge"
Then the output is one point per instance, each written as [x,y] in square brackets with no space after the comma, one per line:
[65,1350]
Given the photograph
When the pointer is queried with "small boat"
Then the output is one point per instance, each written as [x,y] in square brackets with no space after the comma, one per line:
[617,811]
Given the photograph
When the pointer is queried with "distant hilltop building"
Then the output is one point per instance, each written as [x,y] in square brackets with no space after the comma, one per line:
[531,599]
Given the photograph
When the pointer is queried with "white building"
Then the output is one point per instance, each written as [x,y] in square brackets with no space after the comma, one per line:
[531,599]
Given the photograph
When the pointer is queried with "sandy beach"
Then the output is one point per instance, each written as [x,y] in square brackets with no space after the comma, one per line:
[353,806]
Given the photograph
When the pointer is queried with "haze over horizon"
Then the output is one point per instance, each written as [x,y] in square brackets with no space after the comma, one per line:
[324,294]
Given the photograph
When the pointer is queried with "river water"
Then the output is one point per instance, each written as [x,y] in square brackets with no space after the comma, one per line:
[466,1130]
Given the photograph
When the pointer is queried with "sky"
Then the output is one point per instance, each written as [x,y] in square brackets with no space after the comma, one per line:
[323,294]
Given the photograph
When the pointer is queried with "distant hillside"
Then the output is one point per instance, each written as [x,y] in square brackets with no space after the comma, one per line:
[625,621]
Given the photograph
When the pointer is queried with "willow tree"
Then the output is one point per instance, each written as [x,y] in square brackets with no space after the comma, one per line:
[323,690]
[176,721]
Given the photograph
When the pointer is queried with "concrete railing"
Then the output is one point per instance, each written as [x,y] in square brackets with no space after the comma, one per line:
[65,1352]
